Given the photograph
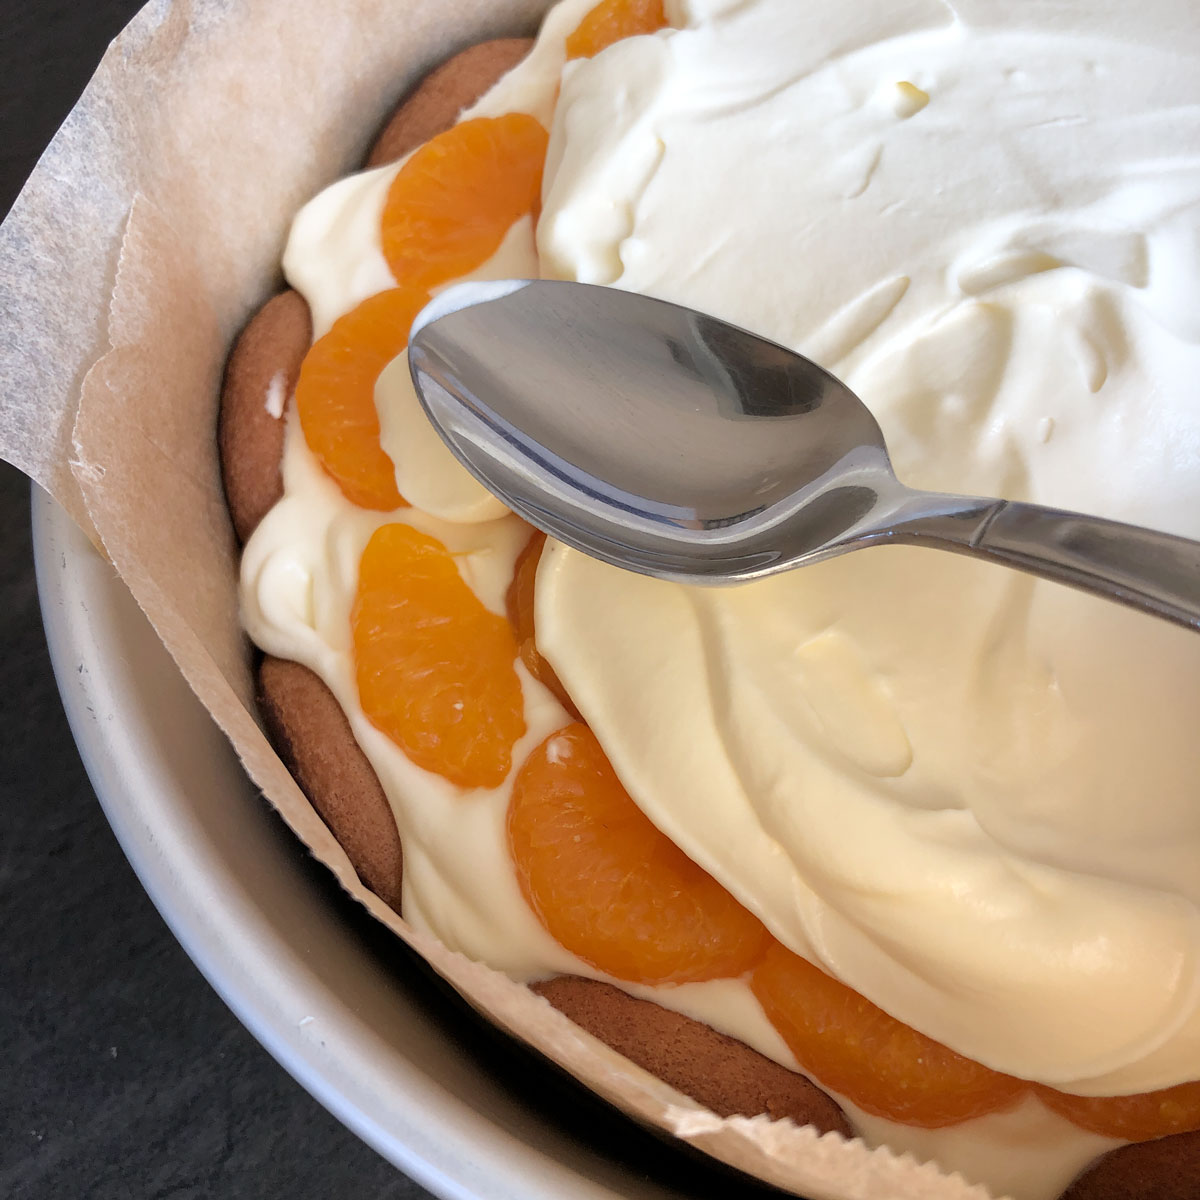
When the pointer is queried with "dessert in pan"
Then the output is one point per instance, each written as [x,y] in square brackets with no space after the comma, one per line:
[898,847]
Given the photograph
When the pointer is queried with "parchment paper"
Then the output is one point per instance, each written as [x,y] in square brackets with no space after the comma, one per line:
[151,228]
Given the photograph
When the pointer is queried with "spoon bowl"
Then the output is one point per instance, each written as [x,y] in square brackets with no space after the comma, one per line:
[672,443]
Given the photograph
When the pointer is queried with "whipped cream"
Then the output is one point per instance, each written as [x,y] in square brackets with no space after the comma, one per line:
[968,794]
[914,798]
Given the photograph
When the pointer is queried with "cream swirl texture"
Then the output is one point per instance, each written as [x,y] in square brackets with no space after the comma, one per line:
[970,795]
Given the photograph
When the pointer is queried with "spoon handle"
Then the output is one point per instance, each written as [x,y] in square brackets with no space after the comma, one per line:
[1155,572]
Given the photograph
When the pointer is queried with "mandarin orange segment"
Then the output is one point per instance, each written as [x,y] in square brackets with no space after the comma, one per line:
[613,21]
[451,204]
[607,885]
[435,669]
[519,602]
[850,1046]
[335,395]
[1138,1118]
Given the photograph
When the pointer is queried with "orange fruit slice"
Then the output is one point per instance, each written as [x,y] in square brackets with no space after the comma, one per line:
[335,395]
[1138,1118]
[435,669]
[519,603]
[451,204]
[607,885]
[885,1067]
[613,21]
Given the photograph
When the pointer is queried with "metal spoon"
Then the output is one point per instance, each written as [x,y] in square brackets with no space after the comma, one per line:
[674,444]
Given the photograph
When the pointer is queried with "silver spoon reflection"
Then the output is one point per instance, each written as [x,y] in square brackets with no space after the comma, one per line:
[671,443]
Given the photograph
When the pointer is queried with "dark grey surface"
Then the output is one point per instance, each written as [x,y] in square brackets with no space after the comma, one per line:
[123,1073]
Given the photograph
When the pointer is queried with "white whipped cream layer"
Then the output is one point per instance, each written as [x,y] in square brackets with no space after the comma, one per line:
[970,795]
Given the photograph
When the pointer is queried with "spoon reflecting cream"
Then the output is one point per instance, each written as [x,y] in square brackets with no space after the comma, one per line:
[671,443]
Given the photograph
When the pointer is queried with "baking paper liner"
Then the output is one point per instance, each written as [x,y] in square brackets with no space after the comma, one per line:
[150,230]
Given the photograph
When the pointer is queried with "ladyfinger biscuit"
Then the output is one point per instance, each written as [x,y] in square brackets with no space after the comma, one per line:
[434,104]
[1166,1169]
[720,1072]
[309,730]
[259,379]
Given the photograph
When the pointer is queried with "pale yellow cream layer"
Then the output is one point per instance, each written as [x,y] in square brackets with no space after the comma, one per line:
[971,796]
